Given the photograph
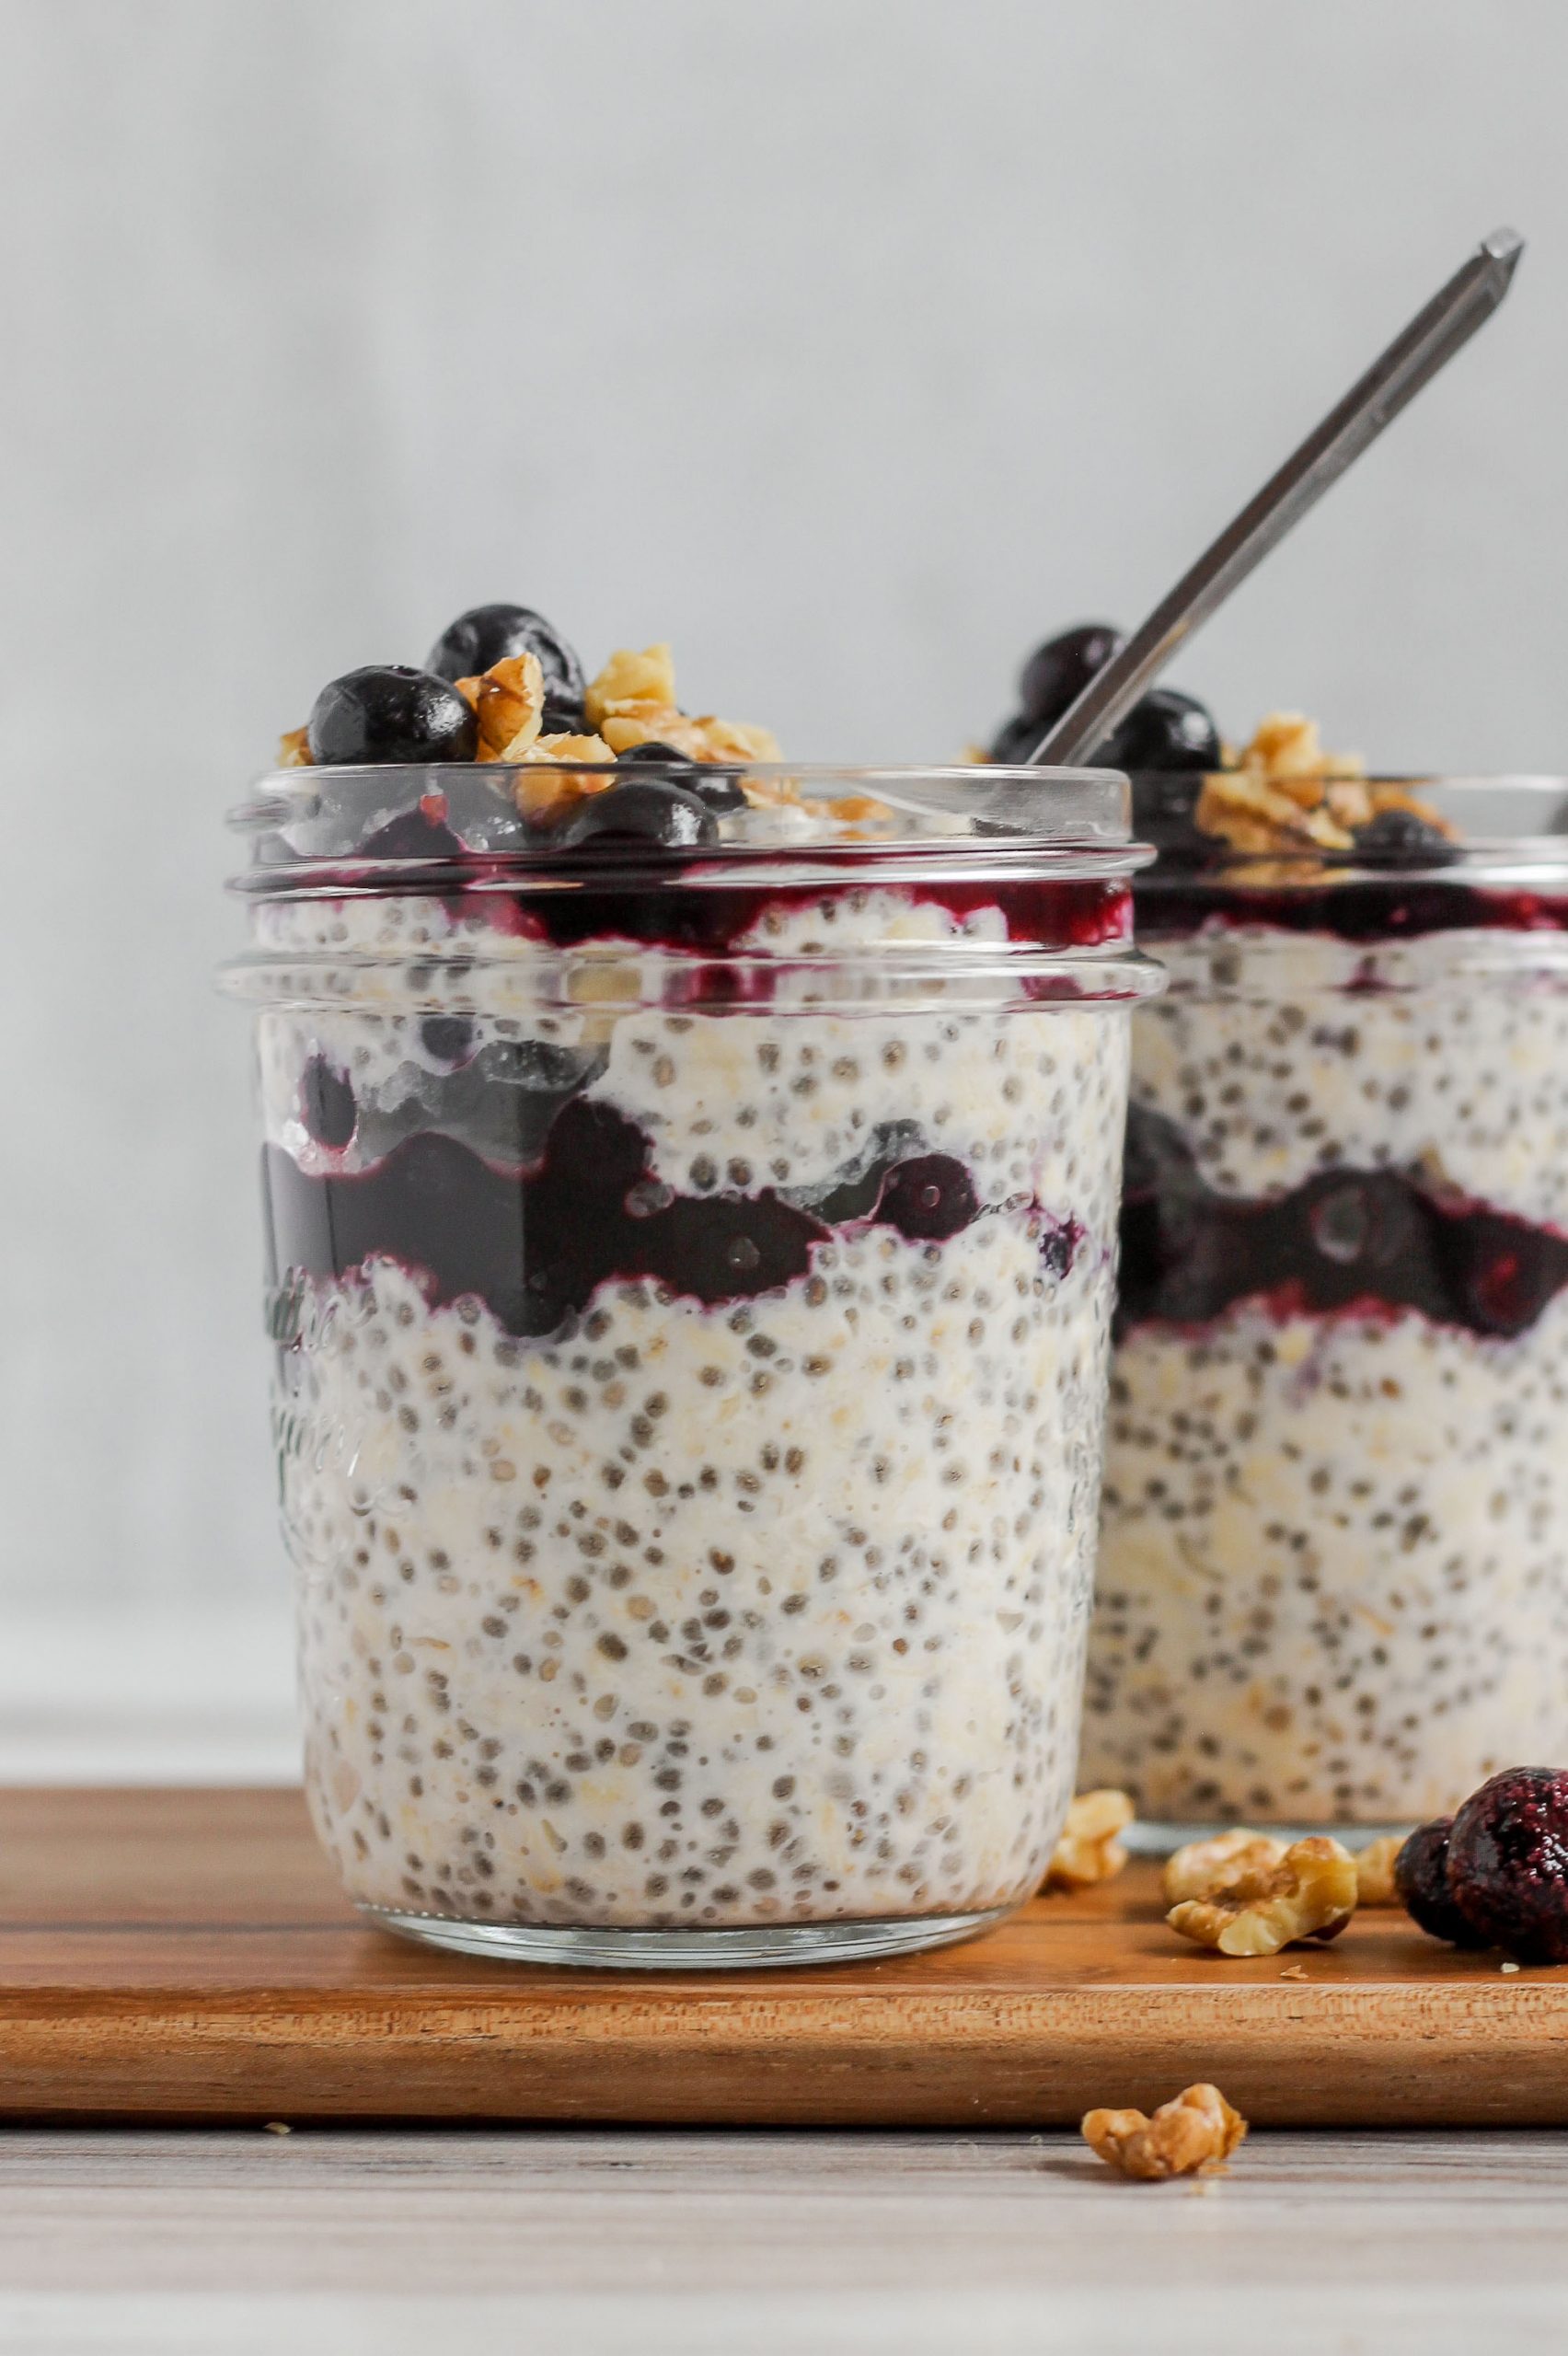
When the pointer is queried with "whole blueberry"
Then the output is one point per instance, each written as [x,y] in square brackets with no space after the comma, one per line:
[663,755]
[720,792]
[388,712]
[1166,731]
[1509,1863]
[327,1105]
[1016,738]
[649,812]
[1421,1877]
[488,634]
[1404,834]
[1057,672]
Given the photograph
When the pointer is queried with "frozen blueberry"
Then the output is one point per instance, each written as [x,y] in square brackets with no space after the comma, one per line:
[327,1105]
[647,811]
[1404,834]
[1509,1863]
[388,712]
[1421,1877]
[488,634]
[1164,733]
[1057,672]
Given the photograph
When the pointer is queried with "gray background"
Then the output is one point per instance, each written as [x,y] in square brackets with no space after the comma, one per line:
[851,344]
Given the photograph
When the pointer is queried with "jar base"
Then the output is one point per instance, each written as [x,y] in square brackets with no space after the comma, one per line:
[757,1946]
[1161,1837]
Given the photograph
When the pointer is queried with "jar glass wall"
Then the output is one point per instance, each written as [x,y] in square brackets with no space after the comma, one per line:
[691,1283]
[1333,1581]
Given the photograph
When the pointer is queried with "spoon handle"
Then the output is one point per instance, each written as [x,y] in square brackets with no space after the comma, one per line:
[1429,342]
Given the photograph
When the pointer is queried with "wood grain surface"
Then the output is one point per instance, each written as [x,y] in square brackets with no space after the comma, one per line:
[185,1954]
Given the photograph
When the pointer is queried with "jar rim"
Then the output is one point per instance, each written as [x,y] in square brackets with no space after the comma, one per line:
[310,827]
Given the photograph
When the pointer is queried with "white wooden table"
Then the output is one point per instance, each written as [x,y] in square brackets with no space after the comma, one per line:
[571,2242]
[744,2244]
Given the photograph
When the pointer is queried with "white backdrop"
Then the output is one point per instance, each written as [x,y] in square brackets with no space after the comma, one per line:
[851,344]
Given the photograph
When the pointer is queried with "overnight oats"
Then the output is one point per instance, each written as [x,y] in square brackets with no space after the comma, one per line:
[1333,1573]
[691,1193]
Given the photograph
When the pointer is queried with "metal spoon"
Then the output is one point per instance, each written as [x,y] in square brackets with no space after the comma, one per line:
[1427,344]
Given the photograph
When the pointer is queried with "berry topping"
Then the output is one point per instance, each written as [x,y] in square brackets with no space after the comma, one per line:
[1509,1863]
[387,712]
[722,793]
[1421,1877]
[1402,832]
[1017,738]
[1165,730]
[486,635]
[1057,672]
[663,755]
[327,1105]
[646,811]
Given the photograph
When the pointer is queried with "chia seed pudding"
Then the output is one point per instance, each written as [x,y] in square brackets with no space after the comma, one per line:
[1333,1569]
[690,1257]
[1333,1585]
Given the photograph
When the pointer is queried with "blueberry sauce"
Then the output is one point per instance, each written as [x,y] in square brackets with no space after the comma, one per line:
[535,1244]
[1174,905]
[1347,1239]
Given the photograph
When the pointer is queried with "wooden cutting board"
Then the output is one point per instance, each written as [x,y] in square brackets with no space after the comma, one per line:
[181,1955]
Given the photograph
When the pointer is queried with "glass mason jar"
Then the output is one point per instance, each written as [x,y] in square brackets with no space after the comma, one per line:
[1333,1577]
[691,1279]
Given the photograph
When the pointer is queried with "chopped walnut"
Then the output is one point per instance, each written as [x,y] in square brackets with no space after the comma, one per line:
[630,677]
[1284,792]
[293,749]
[1251,813]
[1309,1894]
[1198,2130]
[1286,744]
[632,701]
[508,701]
[1375,1871]
[1204,1866]
[539,790]
[1088,1850]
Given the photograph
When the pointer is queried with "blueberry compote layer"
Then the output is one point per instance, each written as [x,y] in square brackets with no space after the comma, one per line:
[689,1412]
[1332,1582]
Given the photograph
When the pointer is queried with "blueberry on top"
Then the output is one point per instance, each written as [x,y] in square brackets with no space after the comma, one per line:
[1057,672]
[488,634]
[1421,1877]
[1165,730]
[655,750]
[1404,833]
[388,712]
[1017,738]
[647,812]
[1509,1863]
[716,787]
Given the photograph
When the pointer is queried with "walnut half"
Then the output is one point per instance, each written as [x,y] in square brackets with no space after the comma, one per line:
[1197,2130]
[1088,1850]
[1204,1866]
[1375,1871]
[1309,1894]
